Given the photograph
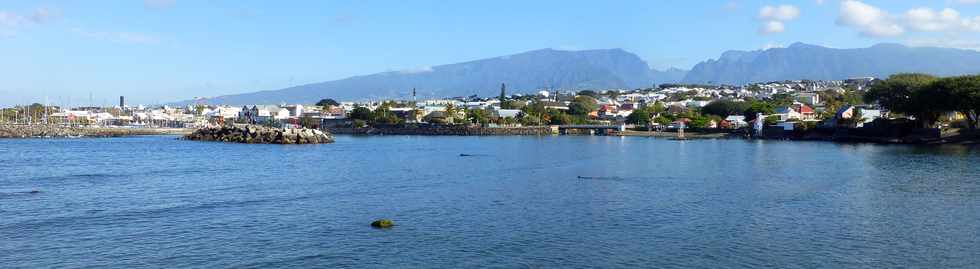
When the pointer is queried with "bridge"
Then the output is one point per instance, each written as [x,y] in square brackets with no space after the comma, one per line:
[590,129]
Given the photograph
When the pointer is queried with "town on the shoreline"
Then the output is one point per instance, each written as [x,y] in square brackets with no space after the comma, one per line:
[781,109]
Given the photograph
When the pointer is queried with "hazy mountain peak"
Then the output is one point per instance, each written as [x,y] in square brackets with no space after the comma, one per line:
[889,45]
[801,45]
[522,72]
[805,61]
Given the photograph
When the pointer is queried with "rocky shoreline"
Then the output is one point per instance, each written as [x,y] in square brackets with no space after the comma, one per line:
[255,134]
[448,130]
[58,131]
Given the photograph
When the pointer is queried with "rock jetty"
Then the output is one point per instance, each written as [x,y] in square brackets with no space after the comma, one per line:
[56,131]
[255,134]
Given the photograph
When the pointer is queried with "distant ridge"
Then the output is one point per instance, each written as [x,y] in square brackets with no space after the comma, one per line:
[806,61]
[617,68]
[669,75]
[523,72]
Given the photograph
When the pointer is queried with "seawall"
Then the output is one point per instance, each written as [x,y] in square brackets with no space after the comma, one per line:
[55,131]
[445,130]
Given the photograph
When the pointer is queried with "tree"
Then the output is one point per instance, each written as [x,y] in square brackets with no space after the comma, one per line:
[503,96]
[534,108]
[639,117]
[643,115]
[906,94]
[613,94]
[699,121]
[771,120]
[960,94]
[327,102]
[583,105]
[756,107]
[480,116]
[452,113]
[559,118]
[383,114]
[589,93]
[658,107]
[781,100]
[361,113]
[531,120]
[513,104]
[725,108]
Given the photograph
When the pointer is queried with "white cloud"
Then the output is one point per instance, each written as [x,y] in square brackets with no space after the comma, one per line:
[868,20]
[820,2]
[927,20]
[774,18]
[779,13]
[946,20]
[121,37]
[874,22]
[772,27]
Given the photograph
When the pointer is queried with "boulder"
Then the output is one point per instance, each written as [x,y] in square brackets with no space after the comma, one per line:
[383,223]
[254,134]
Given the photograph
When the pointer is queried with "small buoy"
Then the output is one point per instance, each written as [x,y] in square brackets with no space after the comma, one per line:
[383,223]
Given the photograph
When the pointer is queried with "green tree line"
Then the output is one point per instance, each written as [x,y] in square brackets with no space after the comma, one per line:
[925,98]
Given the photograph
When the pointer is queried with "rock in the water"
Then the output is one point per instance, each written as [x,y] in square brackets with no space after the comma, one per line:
[383,223]
[254,134]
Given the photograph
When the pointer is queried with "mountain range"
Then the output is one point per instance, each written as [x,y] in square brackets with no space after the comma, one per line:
[805,61]
[523,72]
[618,69]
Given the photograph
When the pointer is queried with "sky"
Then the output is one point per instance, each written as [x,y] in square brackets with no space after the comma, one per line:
[76,52]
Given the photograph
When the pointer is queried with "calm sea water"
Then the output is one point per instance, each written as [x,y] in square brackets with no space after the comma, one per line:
[518,202]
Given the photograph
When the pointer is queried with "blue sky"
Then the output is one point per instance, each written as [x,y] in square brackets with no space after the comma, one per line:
[158,51]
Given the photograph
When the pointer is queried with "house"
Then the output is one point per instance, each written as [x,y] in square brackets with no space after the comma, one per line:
[806,112]
[554,105]
[72,116]
[810,98]
[261,114]
[787,113]
[438,117]
[680,124]
[224,113]
[409,114]
[509,113]
[294,110]
[845,116]
[736,122]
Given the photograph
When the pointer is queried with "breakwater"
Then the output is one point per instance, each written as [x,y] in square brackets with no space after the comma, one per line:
[255,134]
[446,130]
[55,131]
